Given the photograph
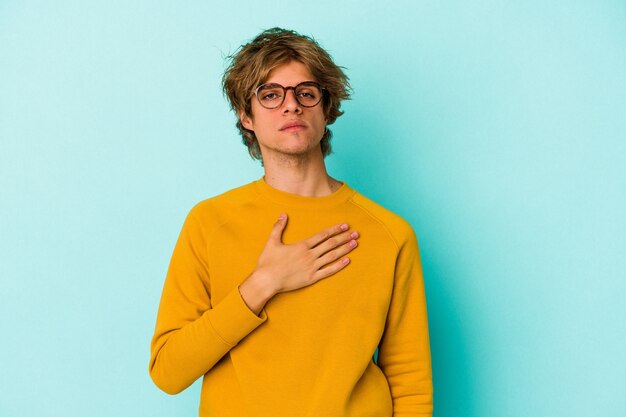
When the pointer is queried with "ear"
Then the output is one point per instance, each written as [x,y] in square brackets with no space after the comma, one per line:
[246,120]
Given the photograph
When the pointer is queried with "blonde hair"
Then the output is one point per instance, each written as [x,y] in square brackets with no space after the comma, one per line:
[251,64]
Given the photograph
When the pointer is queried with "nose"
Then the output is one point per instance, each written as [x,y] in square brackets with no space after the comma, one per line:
[291,103]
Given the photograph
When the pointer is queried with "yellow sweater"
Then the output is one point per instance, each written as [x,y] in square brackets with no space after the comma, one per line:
[310,352]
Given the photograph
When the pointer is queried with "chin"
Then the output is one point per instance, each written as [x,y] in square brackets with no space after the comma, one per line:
[294,151]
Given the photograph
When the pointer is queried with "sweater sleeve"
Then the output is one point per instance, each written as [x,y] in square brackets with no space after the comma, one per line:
[404,351]
[191,333]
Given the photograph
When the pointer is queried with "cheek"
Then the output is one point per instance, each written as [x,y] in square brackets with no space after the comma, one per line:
[323,121]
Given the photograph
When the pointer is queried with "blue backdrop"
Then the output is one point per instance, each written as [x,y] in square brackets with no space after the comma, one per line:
[496,128]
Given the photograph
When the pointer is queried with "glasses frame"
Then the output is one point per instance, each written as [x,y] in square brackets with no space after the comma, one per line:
[293,88]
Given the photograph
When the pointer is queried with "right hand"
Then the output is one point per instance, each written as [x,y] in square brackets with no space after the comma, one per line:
[283,268]
[294,266]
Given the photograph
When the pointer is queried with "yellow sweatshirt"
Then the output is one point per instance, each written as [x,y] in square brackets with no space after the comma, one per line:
[310,352]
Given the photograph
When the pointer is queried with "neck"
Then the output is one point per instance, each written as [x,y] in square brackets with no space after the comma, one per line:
[304,176]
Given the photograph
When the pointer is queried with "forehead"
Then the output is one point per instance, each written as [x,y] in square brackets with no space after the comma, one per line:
[292,73]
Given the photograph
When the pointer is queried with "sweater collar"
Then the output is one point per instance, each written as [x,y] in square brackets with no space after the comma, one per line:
[297,201]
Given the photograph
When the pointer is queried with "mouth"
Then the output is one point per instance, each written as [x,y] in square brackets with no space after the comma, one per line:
[292,126]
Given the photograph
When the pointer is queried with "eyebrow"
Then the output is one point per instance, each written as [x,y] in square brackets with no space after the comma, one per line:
[277,83]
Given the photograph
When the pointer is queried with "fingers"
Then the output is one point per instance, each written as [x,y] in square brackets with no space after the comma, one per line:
[276,235]
[337,253]
[331,269]
[325,235]
[334,242]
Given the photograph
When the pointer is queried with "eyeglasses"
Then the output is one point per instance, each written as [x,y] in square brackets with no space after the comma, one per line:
[272,95]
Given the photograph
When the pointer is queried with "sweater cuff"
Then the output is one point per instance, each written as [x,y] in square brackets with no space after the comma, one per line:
[232,320]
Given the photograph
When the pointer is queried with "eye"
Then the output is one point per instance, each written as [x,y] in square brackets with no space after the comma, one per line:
[269,93]
[306,93]
[269,96]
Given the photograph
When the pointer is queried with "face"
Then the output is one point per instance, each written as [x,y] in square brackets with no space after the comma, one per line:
[290,129]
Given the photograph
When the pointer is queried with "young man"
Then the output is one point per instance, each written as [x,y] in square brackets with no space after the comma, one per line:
[287,325]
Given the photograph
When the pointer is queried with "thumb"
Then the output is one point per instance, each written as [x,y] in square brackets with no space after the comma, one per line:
[276,235]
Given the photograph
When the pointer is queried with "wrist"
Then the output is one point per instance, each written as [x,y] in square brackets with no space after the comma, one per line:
[262,284]
[256,291]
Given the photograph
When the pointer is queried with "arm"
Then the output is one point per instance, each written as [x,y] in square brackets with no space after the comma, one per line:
[192,335]
[404,354]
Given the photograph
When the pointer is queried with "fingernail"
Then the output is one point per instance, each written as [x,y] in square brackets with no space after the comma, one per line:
[354,235]
[352,243]
[282,216]
[345,261]
[344,227]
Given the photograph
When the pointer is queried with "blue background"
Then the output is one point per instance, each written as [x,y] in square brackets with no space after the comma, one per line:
[496,128]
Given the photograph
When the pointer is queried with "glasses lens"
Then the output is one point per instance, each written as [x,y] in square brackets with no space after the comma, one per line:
[308,94]
[270,95]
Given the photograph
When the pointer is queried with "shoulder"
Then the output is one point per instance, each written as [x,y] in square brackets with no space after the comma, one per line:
[217,210]
[398,228]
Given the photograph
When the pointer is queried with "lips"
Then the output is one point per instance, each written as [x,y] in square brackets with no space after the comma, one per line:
[293,125]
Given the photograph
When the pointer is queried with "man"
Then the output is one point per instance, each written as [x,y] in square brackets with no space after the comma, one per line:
[287,325]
